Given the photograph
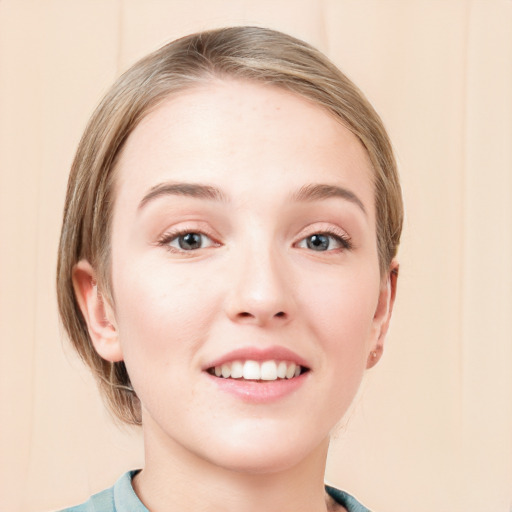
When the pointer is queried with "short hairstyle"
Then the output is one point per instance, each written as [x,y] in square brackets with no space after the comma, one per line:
[244,53]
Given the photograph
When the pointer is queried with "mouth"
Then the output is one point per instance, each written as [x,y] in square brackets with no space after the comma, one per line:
[259,375]
[259,371]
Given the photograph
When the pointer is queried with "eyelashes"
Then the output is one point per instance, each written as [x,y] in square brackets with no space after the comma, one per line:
[325,241]
[187,240]
[190,240]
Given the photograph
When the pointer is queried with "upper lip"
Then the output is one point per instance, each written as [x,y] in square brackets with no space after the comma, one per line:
[276,353]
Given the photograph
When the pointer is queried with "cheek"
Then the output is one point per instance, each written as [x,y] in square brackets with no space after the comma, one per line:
[342,307]
[159,316]
[340,315]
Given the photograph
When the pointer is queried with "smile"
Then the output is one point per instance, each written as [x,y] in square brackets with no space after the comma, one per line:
[257,370]
[259,375]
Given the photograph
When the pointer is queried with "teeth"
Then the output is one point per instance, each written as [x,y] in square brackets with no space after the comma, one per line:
[281,370]
[237,370]
[226,371]
[290,371]
[269,370]
[254,370]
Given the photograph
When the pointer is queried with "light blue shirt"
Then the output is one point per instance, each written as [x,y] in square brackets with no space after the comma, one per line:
[119,498]
[122,498]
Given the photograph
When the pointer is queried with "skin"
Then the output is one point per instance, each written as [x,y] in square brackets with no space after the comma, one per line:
[254,282]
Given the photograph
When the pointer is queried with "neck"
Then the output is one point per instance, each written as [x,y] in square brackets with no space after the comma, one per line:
[176,479]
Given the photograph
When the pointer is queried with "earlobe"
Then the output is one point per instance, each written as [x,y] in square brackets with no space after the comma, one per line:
[383,314]
[97,313]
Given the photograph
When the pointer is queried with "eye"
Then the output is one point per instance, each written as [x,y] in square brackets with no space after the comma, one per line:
[325,242]
[186,241]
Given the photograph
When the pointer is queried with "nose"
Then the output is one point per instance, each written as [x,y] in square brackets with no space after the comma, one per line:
[260,291]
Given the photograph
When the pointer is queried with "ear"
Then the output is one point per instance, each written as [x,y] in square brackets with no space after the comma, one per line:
[383,313]
[97,313]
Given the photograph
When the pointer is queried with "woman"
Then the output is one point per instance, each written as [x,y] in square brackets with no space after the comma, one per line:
[226,267]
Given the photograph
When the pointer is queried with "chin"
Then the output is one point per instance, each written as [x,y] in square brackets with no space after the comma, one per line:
[264,452]
[259,463]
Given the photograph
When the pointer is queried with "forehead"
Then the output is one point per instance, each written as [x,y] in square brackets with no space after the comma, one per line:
[245,137]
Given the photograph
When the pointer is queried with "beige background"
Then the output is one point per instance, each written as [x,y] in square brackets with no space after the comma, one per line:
[432,429]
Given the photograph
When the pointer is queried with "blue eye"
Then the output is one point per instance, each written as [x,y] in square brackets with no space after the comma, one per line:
[318,242]
[324,242]
[187,241]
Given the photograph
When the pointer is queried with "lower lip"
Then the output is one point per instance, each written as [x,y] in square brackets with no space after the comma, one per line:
[259,391]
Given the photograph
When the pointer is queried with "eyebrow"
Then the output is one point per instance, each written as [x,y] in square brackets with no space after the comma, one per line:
[316,191]
[311,192]
[196,190]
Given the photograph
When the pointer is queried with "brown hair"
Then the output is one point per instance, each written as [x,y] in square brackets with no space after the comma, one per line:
[246,53]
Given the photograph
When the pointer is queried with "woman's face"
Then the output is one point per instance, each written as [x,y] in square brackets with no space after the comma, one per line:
[244,241]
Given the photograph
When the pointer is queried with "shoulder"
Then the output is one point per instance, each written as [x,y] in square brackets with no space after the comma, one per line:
[119,498]
[345,500]
[101,502]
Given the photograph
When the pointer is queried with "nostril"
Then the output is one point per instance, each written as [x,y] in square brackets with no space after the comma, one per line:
[261,317]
